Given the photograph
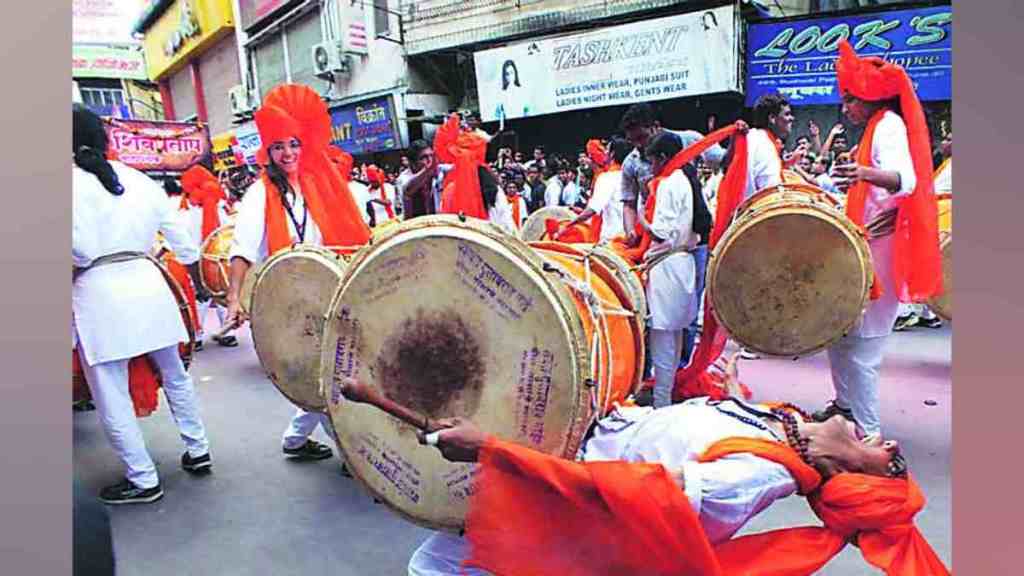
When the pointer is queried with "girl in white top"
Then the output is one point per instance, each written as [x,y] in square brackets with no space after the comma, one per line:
[125,309]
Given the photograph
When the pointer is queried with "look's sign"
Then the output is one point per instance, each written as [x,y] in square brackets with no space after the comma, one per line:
[797,58]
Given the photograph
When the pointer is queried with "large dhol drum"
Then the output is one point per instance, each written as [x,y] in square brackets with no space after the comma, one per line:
[792,273]
[290,298]
[454,318]
[534,228]
[214,268]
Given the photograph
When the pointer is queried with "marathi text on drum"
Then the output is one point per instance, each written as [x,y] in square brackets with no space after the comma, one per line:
[396,271]
[404,477]
[532,393]
[488,282]
[346,360]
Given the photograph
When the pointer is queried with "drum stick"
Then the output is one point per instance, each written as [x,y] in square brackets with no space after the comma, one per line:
[225,329]
[365,394]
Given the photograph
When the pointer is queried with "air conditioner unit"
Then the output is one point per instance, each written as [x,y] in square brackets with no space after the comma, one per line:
[328,61]
[241,100]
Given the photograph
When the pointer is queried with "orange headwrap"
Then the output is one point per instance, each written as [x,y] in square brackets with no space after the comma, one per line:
[376,176]
[343,160]
[916,262]
[294,110]
[531,513]
[466,150]
[205,191]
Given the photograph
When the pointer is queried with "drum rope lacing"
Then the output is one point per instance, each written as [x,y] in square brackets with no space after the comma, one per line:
[600,347]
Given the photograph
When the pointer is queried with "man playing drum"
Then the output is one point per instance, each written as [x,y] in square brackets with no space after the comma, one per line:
[664,491]
[296,201]
[672,281]
[889,192]
[772,124]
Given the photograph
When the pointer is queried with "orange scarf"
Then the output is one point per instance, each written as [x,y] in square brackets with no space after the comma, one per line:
[514,199]
[533,514]
[856,197]
[916,260]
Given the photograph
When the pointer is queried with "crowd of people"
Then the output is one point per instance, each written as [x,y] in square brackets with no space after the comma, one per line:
[660,197]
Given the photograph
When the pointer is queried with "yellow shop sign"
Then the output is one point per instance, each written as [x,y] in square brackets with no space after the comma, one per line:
[185,29]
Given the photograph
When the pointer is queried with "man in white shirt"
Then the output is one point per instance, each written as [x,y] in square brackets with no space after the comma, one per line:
[607,198]
[561,190]
[672,282]
[772,123]
[889,178]
[420,184]
[640,128]
[380,197]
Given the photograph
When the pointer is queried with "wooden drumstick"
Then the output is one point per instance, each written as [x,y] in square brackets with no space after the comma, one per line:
[365,394]
[224,330]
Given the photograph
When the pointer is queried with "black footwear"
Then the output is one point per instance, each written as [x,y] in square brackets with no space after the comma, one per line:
[831,410]
[228,341]
[933,322]
[127,493]
[83,406]
[196,465]
[311,450]
[904,322]
[198,346]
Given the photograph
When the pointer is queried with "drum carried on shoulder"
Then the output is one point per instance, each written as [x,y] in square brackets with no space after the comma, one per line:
[792,274]
[535,227]
[456,318]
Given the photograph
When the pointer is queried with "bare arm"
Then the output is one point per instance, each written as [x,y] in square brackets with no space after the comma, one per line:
[239,268]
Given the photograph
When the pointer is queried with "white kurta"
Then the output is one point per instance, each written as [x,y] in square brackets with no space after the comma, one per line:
[890,150]
[607,201]
[764,166]
[380,213]
[725,493]
[125,309]
[250,225]
[672,283]
[501,213]
[944,179]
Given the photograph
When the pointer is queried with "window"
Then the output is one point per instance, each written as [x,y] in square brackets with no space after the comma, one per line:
[381,18]
[102,98]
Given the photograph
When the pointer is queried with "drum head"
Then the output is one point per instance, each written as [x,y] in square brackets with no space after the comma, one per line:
[451,318]
[789,278]
[289,302]
[943,303]
[213,272]
[534,228]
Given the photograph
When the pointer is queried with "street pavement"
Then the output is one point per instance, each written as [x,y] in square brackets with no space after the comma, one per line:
[259,513]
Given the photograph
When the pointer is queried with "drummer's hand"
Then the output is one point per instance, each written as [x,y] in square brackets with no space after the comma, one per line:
[458,439]
[236,315]
[742,127]
[632,239]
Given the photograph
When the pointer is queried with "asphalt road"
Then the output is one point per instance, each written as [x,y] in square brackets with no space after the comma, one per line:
[258,513]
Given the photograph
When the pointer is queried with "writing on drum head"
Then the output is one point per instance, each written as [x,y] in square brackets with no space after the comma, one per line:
[399,473]
[346,356]
[459,482]
[535,367]
[393,273]
[489,285]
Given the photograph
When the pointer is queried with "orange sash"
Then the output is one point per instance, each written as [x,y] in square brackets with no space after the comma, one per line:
[533,514]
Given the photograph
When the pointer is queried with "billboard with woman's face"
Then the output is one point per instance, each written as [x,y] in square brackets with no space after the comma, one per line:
[684,55]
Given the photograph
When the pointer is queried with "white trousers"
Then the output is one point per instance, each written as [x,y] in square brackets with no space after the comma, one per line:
[666,347]
[442,554]
[303,424]
[202,308]
[855,363]
[108,382]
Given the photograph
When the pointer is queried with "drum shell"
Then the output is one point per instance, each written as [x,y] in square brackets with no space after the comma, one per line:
[534,227]
[214,267]
[791,275]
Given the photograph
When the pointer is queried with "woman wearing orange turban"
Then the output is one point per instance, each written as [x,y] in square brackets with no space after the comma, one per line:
[302,198]
[664,492]
[890,193]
